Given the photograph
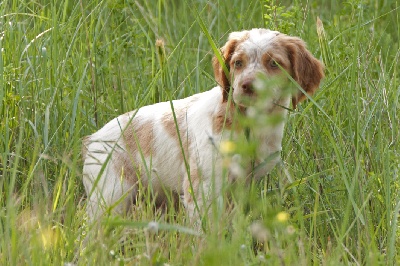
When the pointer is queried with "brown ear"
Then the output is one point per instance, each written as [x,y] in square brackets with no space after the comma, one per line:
[220,76]
[227,50]
[307,71]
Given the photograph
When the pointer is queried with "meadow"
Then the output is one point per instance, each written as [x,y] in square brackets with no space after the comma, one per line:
[67,67]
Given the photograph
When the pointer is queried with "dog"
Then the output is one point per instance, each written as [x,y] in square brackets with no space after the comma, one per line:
[174,146]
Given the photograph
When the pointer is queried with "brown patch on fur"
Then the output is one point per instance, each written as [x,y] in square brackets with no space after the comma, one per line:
[241,56]
[124,164]
[223,118]
[142,131]
[227,51]
[278,56]
[170,127]
[169,122]
[137,137]
[306,69]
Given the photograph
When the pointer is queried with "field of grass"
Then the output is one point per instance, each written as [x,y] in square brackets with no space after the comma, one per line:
[68,67]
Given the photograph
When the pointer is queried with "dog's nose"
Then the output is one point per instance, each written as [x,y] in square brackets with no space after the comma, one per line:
[248,87]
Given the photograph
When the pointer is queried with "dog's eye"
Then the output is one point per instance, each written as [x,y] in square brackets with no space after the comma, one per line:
[238,63]
[273,64]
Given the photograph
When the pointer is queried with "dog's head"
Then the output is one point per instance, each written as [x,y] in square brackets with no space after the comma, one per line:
[269,56]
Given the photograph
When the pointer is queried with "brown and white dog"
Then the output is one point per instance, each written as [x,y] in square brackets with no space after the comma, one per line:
[172,147]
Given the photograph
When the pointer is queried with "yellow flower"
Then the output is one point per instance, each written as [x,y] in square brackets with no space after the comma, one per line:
[282,217]
[227,147]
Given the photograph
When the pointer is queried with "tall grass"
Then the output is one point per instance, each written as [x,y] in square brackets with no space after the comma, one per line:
[67,67]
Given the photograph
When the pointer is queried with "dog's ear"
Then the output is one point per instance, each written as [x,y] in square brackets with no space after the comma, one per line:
[226,51]
[307,71]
